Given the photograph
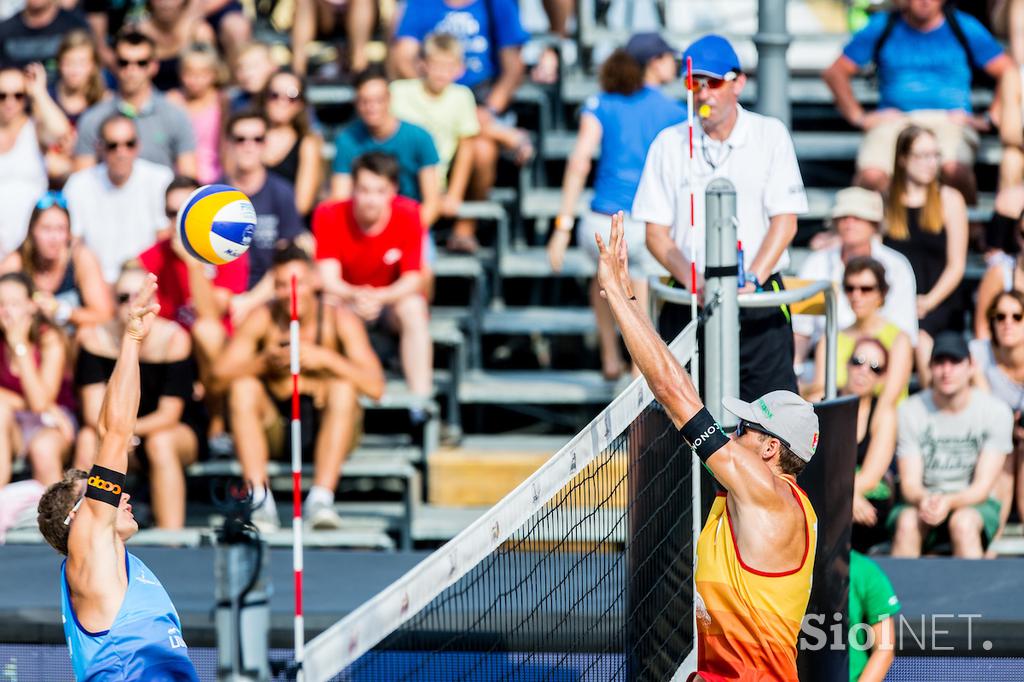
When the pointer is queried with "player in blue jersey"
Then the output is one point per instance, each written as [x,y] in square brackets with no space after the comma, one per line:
[119,622]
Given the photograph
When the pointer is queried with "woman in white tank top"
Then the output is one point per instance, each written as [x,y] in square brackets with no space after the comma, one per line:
[21,138]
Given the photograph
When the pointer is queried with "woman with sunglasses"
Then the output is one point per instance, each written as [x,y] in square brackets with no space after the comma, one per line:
[293,147]
[866,287]
[999,366]
[66,275]
[169,420]
[926,221]
[23,171]
[173,25]
[873,484]
[202,74]
[37,403]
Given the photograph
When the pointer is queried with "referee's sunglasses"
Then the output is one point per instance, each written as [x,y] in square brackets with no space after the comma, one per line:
[698,83]
[745,426]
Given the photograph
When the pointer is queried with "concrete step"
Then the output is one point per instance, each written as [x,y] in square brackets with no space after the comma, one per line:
[539,319]
[536,387]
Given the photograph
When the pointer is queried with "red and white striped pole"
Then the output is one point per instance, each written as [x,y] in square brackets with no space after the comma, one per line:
[691,180]
[296,433]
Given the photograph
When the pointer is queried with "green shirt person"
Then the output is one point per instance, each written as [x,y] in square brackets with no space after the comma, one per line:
[873,603]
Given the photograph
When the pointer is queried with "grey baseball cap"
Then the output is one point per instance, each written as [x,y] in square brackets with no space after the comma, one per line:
[783,414]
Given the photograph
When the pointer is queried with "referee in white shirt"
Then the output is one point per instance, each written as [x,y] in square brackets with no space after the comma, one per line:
[756,154]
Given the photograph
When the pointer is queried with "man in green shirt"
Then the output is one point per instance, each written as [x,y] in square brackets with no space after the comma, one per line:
[873,603]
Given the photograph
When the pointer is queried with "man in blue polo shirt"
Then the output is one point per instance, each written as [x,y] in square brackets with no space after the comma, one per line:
[924,55]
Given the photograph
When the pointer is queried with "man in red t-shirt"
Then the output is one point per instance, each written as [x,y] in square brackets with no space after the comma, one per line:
[195,295]
[369,251]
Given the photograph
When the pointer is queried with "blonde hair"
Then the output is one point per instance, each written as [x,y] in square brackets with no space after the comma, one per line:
[207,55]
[94,89]
[443,43]
[895,210]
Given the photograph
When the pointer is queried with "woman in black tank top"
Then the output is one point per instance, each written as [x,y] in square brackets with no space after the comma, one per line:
[293,146]
[873,488]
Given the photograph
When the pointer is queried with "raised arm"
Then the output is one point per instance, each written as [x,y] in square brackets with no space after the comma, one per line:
[740,470]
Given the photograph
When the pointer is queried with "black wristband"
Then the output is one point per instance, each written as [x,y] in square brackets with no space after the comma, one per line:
[105,485]
[704,434]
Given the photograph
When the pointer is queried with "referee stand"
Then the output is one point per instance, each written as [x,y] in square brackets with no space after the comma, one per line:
[828,478]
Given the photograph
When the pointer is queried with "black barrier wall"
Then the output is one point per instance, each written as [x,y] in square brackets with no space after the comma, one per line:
[828,482]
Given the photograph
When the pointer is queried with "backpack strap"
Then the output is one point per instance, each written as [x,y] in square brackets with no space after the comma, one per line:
[958,32]
[892,16]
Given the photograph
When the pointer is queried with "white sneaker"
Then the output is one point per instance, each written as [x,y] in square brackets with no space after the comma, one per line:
[321,516]
[265,518]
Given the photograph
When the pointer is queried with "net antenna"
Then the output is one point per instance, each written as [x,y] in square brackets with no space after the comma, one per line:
[296,443]
[356,634]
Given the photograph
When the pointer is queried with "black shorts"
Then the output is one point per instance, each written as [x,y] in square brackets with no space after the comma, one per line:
[766,345]
[310,417]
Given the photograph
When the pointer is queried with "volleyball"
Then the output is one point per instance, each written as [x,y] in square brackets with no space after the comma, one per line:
[216,224]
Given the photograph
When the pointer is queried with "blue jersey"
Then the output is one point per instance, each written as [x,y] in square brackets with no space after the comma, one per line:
[143,643]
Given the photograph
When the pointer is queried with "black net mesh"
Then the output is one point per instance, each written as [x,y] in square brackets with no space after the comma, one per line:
[597,585]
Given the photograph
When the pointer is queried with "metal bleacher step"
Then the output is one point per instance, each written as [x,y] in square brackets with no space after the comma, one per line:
[533,262]
[539,319]
[536,387]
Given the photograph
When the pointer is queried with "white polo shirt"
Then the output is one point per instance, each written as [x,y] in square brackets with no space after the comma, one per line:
[118,223]
[758,158]
[900,306]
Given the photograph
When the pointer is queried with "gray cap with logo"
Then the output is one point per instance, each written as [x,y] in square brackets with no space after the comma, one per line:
[784,415]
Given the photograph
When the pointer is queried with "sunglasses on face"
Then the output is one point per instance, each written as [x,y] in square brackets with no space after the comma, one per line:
[862,288]
[743,426]
[284,96]
[861,361]
[170,213]
[242,139]
[698,83]
[52,198]
[112,145]
[16,96]
[125,63]
[1003,317]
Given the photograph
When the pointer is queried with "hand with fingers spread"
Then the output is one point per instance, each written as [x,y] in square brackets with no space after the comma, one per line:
[143,310]
[613,261]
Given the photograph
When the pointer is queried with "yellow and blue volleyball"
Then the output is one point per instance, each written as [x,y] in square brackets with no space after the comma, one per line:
[216,224]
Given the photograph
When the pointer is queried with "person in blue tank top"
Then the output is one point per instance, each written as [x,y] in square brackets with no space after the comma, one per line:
[622,121]
[119,622]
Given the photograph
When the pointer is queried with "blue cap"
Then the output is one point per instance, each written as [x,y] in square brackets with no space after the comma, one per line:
[644,47]
[712,56]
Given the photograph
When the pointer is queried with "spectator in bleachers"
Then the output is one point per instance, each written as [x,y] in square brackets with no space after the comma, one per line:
[491,35]
[173,25]
[872,605]
[447,111]
[927,222]
[924,53]
[230,24]
[1007,20]
[78,86]
[874,486]
[857,216]
[22,138]
[328,19]
[755,153]
[1004,236]
[293,148]
[621,122]
[369,252]
[377,129]
[999,365]
[34,34]
[251,71]
[338,365]
[79,83]
[169,430]
[200,96]
[66,275]
[952,443]
[117,207]
[164,132]
[866,287]
[107,19]
[271,196]
[36,399]
[547,69]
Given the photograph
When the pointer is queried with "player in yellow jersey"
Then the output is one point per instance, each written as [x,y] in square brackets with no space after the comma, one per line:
[755,555]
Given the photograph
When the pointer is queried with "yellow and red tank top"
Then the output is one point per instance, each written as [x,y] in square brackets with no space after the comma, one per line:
[748,621]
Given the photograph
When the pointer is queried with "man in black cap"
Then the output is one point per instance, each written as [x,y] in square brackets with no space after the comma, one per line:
[953,440]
